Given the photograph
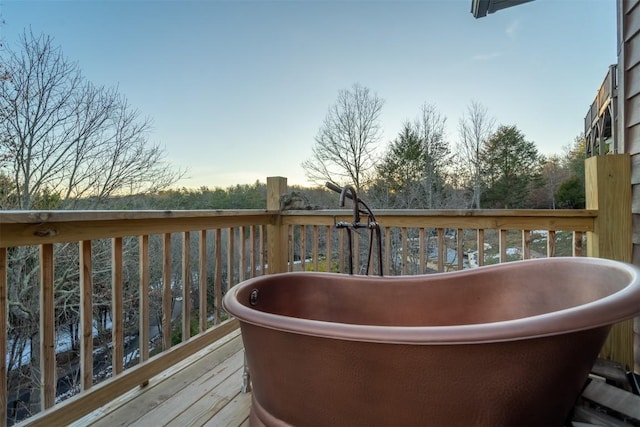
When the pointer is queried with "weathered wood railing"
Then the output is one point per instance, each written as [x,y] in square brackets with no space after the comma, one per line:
[186,257]
[421,241]
[217,250]
[226,247]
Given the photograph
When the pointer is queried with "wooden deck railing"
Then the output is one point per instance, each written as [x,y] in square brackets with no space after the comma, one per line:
[143,279]
[160,262]
[422,241]
[89,268]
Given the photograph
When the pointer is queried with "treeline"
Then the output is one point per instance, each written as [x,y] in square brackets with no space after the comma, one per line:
[241,196]
[487,166]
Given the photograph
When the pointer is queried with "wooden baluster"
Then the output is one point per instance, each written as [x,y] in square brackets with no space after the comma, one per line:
[263,249]
[460,251]
[47,328]
[421,246]
[387,250]
[202,282]
[3,337]
[356,252]
[252,253]
[290,246]
[117,307]
[480,247]
[327,249]
[577,243]
[551,243]
[166,291]
[341,249]
[143,340]
[442,251]
[405,250]
[230,257]
[217,285]
[242,264]
[186,286]
[303,246]
[86,315]
[526,244]
[502,242]
[315,247]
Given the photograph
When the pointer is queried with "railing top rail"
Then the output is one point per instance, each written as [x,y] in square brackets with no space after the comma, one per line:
[21,228]
[506,219]
[32,217]
[558,213]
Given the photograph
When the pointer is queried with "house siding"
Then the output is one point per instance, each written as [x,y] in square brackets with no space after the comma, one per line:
[633,107]
[633,82]
[635,170]
[628,124]
[629,4]
[629,101]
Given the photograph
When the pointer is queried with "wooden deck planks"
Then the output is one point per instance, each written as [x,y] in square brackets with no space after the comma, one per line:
[236,413]
[201,399]
[203,389]
[617,399]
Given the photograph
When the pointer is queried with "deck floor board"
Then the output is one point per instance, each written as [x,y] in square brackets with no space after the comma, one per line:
[204,390]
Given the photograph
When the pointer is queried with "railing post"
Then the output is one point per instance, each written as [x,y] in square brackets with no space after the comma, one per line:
[608,190]
[277,237]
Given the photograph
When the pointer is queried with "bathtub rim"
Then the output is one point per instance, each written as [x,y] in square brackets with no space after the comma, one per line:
[604,312]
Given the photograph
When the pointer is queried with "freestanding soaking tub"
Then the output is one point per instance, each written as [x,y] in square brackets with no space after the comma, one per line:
[510,344]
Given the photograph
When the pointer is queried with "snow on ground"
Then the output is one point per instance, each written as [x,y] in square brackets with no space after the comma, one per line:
[63,342]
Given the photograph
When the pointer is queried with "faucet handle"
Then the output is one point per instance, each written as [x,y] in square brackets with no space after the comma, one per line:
[332,186]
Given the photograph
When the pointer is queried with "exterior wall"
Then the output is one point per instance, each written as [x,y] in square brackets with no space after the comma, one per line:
[628,124]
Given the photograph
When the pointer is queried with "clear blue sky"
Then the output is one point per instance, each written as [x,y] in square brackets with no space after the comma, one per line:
[238,89]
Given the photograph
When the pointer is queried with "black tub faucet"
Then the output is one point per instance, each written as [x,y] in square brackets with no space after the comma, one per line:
[354,197]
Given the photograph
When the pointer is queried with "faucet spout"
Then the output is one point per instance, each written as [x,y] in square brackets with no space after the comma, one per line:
[354,197]
[349,191]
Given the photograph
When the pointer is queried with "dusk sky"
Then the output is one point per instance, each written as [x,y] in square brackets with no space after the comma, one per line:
[237,90]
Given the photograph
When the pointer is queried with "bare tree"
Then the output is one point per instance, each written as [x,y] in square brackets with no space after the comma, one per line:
[63,141]
[346,142]
[553,174]
[430,127]
[475,128]
[66,136]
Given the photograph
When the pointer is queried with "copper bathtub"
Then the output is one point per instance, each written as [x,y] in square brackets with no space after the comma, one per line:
[510,344]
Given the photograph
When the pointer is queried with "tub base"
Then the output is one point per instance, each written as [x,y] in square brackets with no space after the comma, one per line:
[324,382]
[259,417]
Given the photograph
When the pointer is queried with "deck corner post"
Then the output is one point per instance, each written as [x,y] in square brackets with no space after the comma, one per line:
[277,236]
[608,191]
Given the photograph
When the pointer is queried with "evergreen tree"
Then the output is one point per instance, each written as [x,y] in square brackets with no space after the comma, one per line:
[400,171]
[511,165]
[412,173]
